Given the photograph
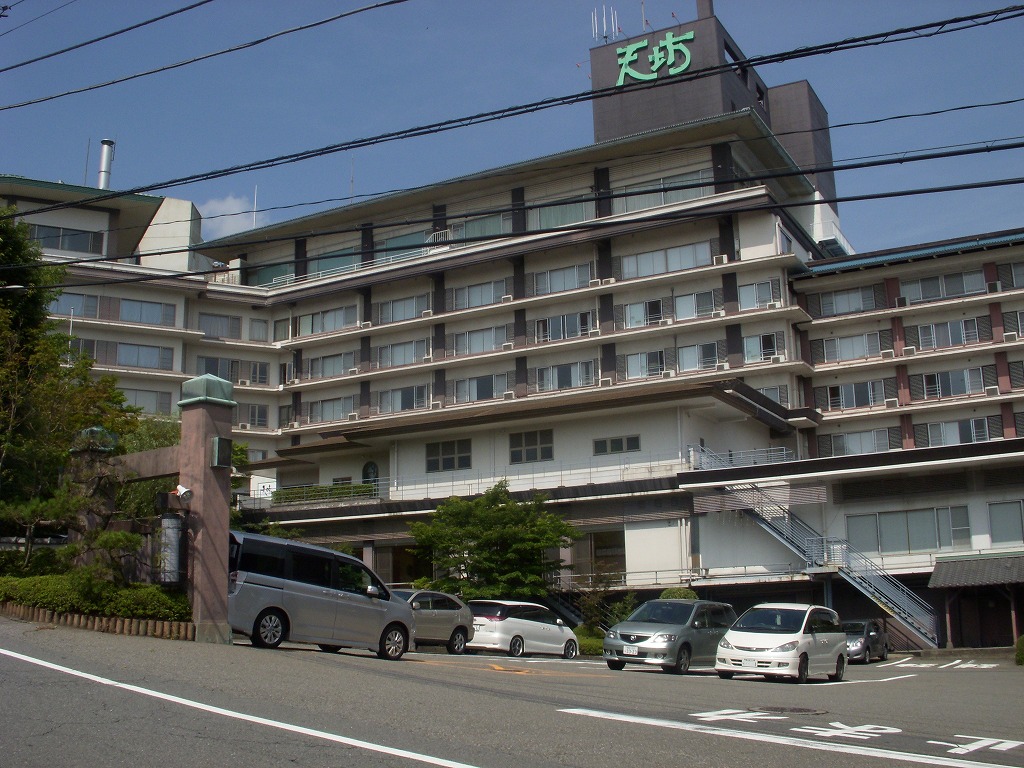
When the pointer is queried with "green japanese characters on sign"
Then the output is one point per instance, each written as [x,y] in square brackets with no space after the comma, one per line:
[670,56]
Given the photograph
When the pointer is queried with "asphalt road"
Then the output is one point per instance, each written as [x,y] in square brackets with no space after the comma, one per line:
[76,698]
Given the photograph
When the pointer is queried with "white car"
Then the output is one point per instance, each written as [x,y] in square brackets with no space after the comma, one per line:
[519,628]
[792,640]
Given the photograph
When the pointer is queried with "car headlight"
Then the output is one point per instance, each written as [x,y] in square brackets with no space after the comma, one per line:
[856,643]
[664,637]
[723,643]
[611,634]
[787,647]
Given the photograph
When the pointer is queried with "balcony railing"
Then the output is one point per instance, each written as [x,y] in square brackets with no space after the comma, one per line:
[704,458]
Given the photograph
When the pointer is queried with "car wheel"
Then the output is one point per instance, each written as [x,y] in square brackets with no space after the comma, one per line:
[884,654]
[393,643]
[618,666]
[571,650]
[516,647]
[725,675]
[329,648]
[269,629]
[682,663]
[457,642]
[837,676]
[802,668]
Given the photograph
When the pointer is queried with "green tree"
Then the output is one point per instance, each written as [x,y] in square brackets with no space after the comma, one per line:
[493,545]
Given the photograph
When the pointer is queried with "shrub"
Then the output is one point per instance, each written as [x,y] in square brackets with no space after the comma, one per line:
[678,593]
[81,591]
[591,646]
[1020,651]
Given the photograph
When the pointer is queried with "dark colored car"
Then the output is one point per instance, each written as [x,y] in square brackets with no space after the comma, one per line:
[865,639]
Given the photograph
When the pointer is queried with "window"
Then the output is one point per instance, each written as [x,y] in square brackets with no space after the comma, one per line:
[311,569]
[565,376]
[400,247]
[917,530]
[699,357]
[482,227]
[479,295]
[785,241]
[564,326]
[958,432]
[233,370]
[953,383]
[531,446]
[273,273]
[404,309]
[851,347]
[645,364]
[549,216]
[325,322]
[145,356]
[480,388]
[695,305]
[951,334]
[669,260]
[860,395]
[258,330]
[847,302]
[220,326]
[663,191]
[476,342]
[406,353]
[281,328]
[74,305]
[945,286]
[1006,522]
[149,312]
[337,261]
[64,239]
[606,445]
[564,279]
[855,443]
[148,401]
[404,399]
[643,313]
[772,393]
[329,365]
[755,295]
[332,409]
[449,455]
[256,454]
[760,348]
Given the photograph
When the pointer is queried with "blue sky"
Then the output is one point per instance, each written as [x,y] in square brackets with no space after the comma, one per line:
[428,60]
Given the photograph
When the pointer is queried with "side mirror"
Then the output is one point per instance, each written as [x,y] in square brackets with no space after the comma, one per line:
[415,605]
[559,622]
[372,591]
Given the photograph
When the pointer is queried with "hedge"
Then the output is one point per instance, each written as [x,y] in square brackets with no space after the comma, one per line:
[323,492]
[78,593]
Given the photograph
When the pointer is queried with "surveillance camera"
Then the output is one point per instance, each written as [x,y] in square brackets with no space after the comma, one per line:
[184,494]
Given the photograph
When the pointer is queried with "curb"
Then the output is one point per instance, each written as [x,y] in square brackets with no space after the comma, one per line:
[167,630]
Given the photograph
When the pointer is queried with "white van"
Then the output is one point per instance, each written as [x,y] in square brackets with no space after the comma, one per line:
[285,590]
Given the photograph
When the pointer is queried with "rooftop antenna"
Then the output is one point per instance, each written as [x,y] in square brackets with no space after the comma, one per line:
[255,191]
[601,32]
[88,152]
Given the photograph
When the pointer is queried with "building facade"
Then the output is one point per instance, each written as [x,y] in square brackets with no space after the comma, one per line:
[664,332]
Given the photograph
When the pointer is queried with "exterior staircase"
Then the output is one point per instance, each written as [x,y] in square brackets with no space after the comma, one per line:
[827,552]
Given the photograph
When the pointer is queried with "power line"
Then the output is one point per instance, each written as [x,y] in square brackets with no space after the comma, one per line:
[204,57]
[103,37]
[4,8]
[898,35]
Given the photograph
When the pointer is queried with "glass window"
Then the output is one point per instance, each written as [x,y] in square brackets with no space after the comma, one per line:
[220,326]
[755,295]
[479,295]
[606,445]
[564,279]
[258,330]
[476,342]
[449,455]
[531,446]
[74,305]
[862,532]
[1007,522]
[310,568]
[565,376]
[480,388]
[645,364]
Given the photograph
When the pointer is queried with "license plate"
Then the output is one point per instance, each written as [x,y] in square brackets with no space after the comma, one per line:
[630,650]
[750,662]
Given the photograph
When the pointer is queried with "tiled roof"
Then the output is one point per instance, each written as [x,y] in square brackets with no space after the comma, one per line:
[978,571]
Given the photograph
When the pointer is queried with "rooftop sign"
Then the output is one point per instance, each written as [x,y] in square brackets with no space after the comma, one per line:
[669,56]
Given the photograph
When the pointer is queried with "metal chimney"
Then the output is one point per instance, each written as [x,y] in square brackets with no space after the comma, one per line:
[106,157]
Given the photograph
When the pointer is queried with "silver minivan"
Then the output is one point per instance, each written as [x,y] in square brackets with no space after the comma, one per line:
[286,590]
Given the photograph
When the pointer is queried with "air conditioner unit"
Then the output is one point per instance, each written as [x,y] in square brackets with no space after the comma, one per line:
[295,424]
[353,416]
[508,345]
[607,281]
[995,287]
[243,382]
[506,298]
[891,402]
[427,313]
[718,313]
[294,381]
[428,358]
[243,426]
[365,324]
[667,374]
[605,383]
[901,301]
[888,354]
[595,332]
[509,395]
[435,405]
[773,305]
[353,371]
[594,283]
[665,321]
[907,351]
[1009,336]
[778,358]
[992,391]
[722,367]
[721,259]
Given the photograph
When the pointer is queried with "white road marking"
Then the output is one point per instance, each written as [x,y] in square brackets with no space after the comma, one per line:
[789,741]
[359,744]
[951,664]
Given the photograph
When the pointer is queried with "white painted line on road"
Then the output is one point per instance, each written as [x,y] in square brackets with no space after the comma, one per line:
[359,744]
[789,741]
[951,664]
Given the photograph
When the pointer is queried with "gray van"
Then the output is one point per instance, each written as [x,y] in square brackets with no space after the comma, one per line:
[670,634]
[286,590]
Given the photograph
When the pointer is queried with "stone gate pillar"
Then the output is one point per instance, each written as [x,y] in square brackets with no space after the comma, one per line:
[206,405]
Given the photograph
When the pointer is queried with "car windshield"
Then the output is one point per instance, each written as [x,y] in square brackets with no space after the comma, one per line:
[853,627]
[780,620]
[405,594]
[489,610]
[661,612]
